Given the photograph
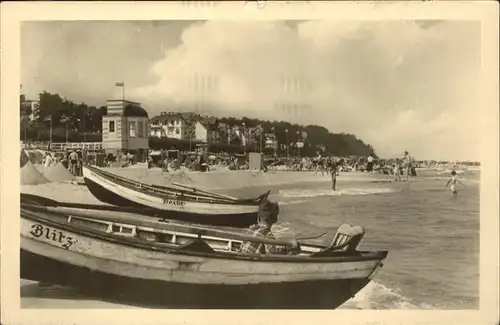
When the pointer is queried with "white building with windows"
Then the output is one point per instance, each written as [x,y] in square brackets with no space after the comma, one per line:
[185,126]
[125,127]
[173,125]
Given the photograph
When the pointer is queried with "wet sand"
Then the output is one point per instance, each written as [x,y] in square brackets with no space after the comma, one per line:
[34,295]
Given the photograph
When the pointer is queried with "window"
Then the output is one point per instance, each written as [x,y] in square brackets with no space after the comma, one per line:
[177,131]
[140,130]
[111,126]
[131,128]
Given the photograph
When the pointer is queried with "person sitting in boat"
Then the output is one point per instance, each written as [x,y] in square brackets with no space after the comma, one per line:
[268,215]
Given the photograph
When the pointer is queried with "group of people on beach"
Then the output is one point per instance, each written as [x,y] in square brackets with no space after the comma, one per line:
[404,166]
[268,214]
[328,165]
[70,160]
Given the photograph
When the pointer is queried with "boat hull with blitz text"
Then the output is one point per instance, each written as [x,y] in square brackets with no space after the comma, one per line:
[159,276]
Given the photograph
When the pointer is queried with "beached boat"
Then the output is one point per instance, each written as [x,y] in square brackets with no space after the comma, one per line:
[177,232]
[124,256]
[179,202]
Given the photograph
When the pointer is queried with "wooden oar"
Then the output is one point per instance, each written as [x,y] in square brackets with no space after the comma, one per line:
[180,194]
[135,220]
[29,199]
[111,208]
[37,200]
[196,190]
[311,237]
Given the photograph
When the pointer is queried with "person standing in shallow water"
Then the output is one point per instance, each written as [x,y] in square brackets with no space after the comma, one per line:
[333,171]
[397,171]
[452,182]
[407,165]
[369,165]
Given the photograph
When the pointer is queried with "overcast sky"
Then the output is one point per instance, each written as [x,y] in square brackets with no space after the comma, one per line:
[400,85]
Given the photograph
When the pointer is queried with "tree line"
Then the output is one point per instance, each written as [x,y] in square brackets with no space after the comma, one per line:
[313,137]
[67,119]
[74,122]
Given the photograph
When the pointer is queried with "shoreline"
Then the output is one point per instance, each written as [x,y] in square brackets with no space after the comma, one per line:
[224,179]
[217,180]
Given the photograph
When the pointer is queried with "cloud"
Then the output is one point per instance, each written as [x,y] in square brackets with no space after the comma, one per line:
[83,60]
[398,85]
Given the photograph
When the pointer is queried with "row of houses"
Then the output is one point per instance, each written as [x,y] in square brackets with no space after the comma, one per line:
[192,126]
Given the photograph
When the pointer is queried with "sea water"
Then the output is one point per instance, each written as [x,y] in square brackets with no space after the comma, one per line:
[432,237]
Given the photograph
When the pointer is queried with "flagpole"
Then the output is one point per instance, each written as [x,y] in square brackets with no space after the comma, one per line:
[122,85]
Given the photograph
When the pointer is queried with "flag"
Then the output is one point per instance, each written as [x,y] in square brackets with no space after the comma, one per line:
[47,119]
[272,129]
[120,84]
[304,134]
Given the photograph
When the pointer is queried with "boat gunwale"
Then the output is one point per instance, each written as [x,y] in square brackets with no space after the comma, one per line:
[136,243]
[149,189]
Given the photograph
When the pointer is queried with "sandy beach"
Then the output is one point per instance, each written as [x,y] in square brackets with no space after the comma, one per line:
[220,179]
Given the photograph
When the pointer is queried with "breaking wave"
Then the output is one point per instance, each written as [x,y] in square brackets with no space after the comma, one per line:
[378,296]
[292,202]
[307,193]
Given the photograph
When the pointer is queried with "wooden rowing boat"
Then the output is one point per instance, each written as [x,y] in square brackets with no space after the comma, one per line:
[152,229]
[177,202]
[184,266]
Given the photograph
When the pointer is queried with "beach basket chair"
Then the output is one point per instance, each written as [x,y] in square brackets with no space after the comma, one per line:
[347,239]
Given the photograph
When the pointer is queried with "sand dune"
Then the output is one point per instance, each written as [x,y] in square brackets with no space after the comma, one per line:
[65,192]
[56,173]
[31,176]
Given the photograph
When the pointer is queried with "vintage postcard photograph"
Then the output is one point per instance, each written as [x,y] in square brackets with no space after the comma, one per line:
[203,161]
